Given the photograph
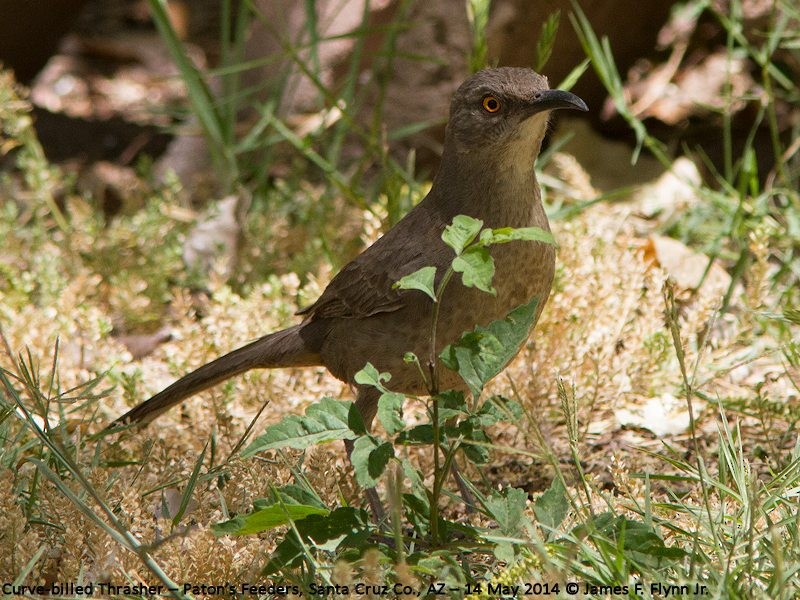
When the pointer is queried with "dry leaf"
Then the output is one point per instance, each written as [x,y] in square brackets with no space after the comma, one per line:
[212,245]
[663,415]
[685,266]
[674,191]
[140,345]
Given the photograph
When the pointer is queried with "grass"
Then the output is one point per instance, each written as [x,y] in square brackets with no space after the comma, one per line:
[583,499]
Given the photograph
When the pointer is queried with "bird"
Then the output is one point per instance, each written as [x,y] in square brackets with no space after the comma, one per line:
[497,122]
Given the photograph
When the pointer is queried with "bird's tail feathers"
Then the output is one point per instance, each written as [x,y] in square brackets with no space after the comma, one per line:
[285,348]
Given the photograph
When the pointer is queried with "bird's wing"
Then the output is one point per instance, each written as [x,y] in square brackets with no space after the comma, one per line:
[365,286]
[361,289]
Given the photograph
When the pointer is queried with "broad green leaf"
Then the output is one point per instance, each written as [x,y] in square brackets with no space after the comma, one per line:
[508,509]
[266,519]
[453,400]
[470,430]
[477,269]
[477,455]
[416,501]
[504,235]
[461,232]
[416,482]
[390,409]
[369,376]
[452,403]
[347,526]
[433,565]
[481,354]
[497,409]
[289,553]
[369,458]
[505,552]
[419,434]
[290,494]
[324,421]
[422,280]
[552,506]
[446,414]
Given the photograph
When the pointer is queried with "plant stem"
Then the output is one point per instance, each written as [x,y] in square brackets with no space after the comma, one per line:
[437,475]
[434,393]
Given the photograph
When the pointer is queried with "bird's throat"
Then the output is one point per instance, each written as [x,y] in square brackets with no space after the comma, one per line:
[501,193]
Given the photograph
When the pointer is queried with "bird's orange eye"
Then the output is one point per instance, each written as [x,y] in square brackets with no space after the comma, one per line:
[491,104]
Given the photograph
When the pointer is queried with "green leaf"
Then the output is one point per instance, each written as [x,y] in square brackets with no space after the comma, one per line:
[481,354]
[477,455]
[324,421]
[355,421]
[290,494]
[452,403]
[505,552]
[453,400]
[420,434]
[508,509]
[369,458]
[547,39]
[461,232]
[410,358]
[792,315]
[190,486]
[421,280]
[476,266]
[474,440]
[288,554]
[346,527]
[497,409]
[369,376]
[572,77]
[266,519]
[638,541]
[552,506]
[417,488]
[503,235]
[203,100]
[390,411]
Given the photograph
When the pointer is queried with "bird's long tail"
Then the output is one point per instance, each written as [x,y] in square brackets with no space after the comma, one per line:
[285,348]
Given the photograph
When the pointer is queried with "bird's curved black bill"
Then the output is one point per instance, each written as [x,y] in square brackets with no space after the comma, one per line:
[555,99]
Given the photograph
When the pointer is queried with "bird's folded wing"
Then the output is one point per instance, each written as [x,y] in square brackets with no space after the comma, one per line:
[365,287]
[360,290]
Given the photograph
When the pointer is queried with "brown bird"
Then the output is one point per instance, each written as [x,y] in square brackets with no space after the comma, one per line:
[498,118]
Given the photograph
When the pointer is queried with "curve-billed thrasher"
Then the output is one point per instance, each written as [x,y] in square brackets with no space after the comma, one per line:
[498,118]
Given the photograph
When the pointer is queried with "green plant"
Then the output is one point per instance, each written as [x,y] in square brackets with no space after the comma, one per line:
[744,206]
[454,425]
[719,510]
[17,134]
[323,178]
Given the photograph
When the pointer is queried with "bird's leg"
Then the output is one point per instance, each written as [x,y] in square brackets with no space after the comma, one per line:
[367,405]
[378,514]
[466,495]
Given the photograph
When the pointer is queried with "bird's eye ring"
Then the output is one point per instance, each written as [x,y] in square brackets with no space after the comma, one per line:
[491,104]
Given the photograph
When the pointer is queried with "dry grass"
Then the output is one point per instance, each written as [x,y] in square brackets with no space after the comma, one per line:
[603,333]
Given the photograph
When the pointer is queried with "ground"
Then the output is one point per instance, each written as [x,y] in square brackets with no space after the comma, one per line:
[649,357]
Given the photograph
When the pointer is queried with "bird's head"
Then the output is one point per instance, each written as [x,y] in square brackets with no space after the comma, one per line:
[503,112]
